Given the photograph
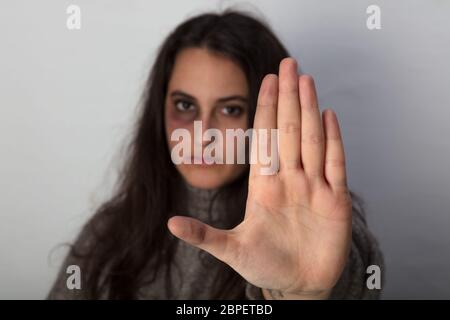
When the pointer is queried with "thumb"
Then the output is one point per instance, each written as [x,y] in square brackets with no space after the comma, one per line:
[220,243]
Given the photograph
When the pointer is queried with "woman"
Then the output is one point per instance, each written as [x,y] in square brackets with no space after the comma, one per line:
[295,234]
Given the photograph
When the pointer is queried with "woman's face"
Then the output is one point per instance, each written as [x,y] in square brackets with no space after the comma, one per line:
[210,88]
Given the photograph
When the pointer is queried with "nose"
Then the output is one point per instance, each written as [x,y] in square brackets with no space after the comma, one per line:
[206,124]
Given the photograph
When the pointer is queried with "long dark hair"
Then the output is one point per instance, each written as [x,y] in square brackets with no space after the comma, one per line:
[129,229]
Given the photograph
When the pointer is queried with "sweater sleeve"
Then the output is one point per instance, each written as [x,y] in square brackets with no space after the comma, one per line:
[364,252]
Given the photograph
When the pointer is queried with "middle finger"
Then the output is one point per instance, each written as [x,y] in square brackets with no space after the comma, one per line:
[289,116]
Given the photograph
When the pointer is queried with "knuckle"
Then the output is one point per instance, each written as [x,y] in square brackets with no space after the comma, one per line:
[291,164]
[313,138]
[341,186]
[314,174]
[289,127]
[335,163]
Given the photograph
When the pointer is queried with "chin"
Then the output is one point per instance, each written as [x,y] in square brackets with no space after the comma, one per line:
[204,184]
[206,177]
[205,180]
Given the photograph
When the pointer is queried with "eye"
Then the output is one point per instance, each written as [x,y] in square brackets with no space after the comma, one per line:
[183,105]
[233,111]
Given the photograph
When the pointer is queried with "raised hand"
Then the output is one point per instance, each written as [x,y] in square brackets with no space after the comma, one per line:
[295,237]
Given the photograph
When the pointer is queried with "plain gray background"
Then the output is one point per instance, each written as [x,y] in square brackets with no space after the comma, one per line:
[68,98]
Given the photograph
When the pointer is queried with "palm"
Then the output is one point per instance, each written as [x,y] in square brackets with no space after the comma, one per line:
[302,238]
[296,231]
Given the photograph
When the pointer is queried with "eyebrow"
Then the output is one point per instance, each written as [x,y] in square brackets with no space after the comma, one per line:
[223,99]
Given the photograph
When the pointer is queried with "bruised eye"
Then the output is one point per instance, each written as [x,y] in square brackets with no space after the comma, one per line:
[183,105]
[234,111]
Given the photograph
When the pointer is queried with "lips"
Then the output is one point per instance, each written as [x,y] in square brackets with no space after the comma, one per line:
[201,161]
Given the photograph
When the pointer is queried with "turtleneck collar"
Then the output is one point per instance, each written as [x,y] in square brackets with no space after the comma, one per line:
[199,193]
[216,206]
[203,204]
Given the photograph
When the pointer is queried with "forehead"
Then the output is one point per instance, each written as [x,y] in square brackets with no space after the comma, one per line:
[203,73]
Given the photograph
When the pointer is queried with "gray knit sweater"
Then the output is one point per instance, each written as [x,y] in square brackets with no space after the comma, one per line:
[196,279]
